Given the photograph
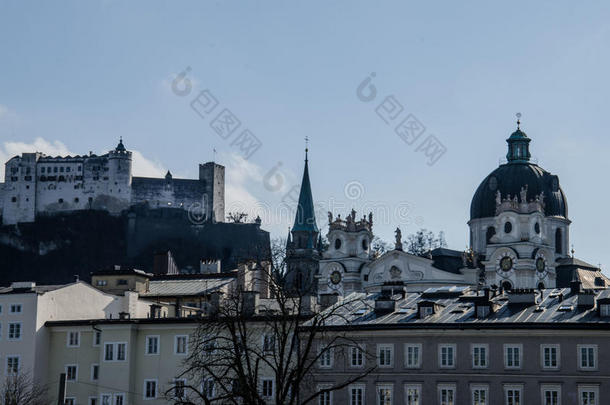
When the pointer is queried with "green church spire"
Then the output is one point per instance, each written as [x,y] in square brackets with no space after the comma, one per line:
[305,219]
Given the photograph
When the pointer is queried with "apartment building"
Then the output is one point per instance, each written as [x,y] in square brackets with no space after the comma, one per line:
[449,346]
[25,307]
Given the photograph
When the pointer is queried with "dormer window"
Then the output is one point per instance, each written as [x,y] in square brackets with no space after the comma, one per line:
[337,244]
[508,227]
[425,311]
[483,311]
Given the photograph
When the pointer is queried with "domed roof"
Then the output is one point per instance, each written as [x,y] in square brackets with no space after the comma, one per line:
[511,177]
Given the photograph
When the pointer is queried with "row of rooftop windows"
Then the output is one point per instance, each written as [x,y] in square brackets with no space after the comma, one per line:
[550,356]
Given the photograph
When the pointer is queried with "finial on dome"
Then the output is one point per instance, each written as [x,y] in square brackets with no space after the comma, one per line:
[518,115]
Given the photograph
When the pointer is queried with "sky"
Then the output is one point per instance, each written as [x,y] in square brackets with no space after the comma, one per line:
[76,76]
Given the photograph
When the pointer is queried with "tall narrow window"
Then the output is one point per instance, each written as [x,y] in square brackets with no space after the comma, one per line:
[356,395]
[413,394]
[413,355]
[558,241]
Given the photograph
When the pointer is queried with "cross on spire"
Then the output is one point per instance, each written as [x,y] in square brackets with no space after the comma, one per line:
[306,146]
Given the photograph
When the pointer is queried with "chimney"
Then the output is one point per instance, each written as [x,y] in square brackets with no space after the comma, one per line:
[522,296]
[586,299]
[327,300]
[209,266]
[384,304]
[575,287]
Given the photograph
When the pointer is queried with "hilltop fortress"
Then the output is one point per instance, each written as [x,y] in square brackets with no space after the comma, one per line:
[36,184]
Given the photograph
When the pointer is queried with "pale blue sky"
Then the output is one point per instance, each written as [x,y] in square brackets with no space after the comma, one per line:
[85,73]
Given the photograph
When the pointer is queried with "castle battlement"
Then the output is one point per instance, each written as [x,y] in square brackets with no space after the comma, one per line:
[36,184]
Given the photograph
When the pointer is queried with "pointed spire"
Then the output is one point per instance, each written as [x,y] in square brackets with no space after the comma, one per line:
[305,219]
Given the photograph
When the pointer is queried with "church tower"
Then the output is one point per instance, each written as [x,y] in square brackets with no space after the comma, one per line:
[519,223]
[304,244]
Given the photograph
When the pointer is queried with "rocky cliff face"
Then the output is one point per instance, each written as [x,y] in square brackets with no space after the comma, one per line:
[55,249]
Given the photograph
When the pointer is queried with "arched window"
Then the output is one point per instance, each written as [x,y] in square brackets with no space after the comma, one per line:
[300,280]
[491,231]
[507,286]
[541,286]
[558,241]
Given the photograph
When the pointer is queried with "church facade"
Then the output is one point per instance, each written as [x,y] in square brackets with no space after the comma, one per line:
[519,239]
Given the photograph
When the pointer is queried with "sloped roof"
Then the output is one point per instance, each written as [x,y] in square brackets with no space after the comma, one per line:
[171,288]
[554,308]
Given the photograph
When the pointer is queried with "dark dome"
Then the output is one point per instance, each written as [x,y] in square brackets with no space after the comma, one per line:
[509,179]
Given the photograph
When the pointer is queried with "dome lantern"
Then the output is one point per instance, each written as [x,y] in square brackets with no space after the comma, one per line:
[518,145]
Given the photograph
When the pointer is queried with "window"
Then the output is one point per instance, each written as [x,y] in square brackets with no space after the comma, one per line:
[71,372]
[326,358]
[73,339]
[513,394]
[14,331]
[15,308]
[120,351]
[119,399]
[122,281]
[587,357]
[357,357]
[97,338]
[479,355]
[325,398]
[180,344]
[115,351]
[384,395]
[70,401]
[150,389]
[549,356]
[551,395]
[267,388]
[412,394]
[92,401]
[446,356]
[446,394]
[95,372]
[101,283]
[356,395]
[12,365]
[425,311]
[106,399]
[588,395]
[179,388]
[208,388]
[152,344]
[512,356]
[109,352]
[268,343]
[413,355]
[604,310]
[558,241]
[480,395]
[385,355]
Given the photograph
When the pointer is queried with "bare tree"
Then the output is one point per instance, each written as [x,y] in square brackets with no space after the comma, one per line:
[245,339]
[423,241]
[237,217]
[20,389]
